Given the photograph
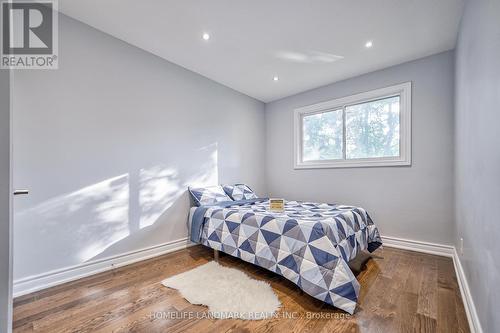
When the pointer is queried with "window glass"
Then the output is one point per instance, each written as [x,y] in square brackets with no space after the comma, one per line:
[372,129]
[322,136]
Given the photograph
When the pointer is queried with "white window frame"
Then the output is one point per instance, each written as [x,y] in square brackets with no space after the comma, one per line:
[402,90]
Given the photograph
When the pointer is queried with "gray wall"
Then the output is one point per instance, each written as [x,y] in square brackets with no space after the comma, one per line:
[5,253]
[108,144]
[409,202]
[477,189]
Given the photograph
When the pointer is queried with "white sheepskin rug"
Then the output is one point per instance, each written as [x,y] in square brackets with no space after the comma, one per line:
[228,292]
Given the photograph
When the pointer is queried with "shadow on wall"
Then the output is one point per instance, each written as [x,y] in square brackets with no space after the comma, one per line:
[130,211]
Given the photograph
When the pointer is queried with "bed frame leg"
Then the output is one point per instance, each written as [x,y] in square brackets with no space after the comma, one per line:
[216,255]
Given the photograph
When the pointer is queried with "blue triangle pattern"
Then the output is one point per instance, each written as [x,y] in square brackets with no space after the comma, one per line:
[245,246]
[346,290]
[289,224]
[214,237]
[231,225]
[269,236]
[322,257]
[289,262]
[247,215]
[316,232]
[328,299]
[266,219]
[340,229]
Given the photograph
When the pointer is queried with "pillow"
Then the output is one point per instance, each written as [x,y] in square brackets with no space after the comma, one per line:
[208,195]
[240,192]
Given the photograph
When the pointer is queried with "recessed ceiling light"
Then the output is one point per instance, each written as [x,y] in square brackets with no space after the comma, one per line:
[275,78]
[369,44]
[206,36]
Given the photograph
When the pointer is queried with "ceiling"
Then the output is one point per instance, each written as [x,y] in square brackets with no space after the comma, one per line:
[306,43]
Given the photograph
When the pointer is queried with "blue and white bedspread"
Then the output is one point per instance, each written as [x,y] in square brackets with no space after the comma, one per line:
[309,243]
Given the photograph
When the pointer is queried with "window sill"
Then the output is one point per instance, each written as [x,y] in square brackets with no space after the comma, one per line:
[361,163]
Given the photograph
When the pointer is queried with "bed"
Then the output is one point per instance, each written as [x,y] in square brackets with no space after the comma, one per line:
[308,243]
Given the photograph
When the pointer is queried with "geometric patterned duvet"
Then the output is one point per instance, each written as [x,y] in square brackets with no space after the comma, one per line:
[309,243]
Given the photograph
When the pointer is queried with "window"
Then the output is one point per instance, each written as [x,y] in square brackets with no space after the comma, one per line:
[368,129]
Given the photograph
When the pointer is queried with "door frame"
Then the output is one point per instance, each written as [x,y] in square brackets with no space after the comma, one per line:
[10,307]
[6,325]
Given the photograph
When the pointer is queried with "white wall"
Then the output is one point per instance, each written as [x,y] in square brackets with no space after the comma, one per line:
[5,234]
[478,155]
[108,144]
[409,202]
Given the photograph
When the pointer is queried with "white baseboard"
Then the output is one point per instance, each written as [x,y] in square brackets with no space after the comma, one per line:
[470,308]
[418,246]
[445,251]
[49,279]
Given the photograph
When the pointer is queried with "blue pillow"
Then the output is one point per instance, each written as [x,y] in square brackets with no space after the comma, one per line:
[208,195]
[240,192]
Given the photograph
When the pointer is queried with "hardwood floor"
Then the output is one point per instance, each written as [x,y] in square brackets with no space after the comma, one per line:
[401,291]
